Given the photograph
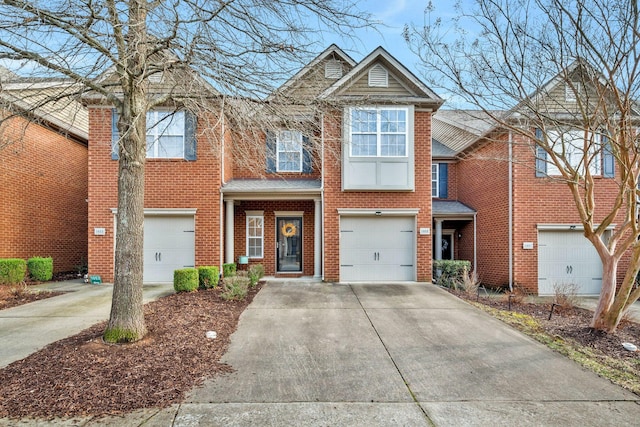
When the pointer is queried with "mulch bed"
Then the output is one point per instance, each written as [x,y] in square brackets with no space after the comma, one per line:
[82,376]
[15,295]
[571,323]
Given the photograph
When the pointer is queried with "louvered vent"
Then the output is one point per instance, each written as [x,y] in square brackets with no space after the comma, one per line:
[156,77]
[378,77]
[333,69]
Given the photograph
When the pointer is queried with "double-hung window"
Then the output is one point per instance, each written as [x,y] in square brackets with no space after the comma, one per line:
[379,132]
[255,234]
[289,151]
[570,145]
[165,134]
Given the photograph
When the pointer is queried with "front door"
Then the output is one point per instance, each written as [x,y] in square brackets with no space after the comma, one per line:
[289,244]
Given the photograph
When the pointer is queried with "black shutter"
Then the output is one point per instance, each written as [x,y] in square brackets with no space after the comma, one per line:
[115,135]
[190,140]
[443,180]
[608,161]
[271,152]
[307,166]
[541,156]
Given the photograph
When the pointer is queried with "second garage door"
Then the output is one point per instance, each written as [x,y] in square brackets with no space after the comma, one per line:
[169,244]
[374,249]
[567,258]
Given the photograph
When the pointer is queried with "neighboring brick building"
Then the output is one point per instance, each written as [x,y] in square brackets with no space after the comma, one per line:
[43,174]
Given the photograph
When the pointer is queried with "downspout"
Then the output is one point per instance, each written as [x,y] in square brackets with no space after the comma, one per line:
[510,192]
[322,192]
[221,232]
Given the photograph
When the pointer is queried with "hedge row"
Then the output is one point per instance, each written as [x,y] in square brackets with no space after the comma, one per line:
[14,270]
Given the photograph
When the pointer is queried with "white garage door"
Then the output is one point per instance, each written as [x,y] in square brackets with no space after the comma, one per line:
[374,249]
[169,244]
[567,257]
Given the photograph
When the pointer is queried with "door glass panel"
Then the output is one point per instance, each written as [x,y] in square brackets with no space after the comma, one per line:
[289,244]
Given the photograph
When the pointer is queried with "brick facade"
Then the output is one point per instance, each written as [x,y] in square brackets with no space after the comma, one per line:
[44,190]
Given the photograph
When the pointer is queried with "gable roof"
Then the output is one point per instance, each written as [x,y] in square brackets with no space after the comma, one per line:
[331,51]
[459,129]
[52,101]
[421,94]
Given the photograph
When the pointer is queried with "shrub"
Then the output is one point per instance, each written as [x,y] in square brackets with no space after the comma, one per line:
[229,269]
[450,273]
[12,270]
[40,269]
[256,272]
[185,280]
[565,295]
[235,288]
[208,276]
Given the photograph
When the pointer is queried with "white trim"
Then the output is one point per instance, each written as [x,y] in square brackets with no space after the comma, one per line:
[288,213]
[568,227]
[295,135]
[164,211]
[377,212]
[378,109]
[254,213]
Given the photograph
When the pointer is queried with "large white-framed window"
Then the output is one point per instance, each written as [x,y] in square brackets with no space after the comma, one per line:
[379,132]
[165,134]
[435,183]
[570,144]
[255,234]
[289,155]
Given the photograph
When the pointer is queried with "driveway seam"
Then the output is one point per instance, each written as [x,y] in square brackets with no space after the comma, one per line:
[413,396]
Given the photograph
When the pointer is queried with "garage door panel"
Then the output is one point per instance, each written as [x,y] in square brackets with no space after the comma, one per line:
[567,258]
[377,249]
[169,244]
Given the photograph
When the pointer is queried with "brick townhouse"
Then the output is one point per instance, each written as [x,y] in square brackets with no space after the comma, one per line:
[43,173]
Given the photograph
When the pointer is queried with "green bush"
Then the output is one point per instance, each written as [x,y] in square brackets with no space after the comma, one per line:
[40,269]
[12,270]
[185,280]
[208,276]
[450,272]
[256,272]
[235,288]
[229,269]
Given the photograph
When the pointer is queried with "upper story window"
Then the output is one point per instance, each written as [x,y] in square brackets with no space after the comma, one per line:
[165,134]
[170,135]
[378,148]
[434,180]
[379,132]
[289,151]
[569,144]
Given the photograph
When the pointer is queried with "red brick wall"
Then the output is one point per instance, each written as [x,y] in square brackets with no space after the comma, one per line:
[335,198]
[269,208]
[168,184]
[43,177]
[483,185]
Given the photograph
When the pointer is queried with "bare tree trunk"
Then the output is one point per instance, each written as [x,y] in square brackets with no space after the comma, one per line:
[126,323]
[602,318]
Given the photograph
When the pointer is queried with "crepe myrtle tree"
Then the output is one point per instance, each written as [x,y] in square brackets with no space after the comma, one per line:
[112,49]
[507,58]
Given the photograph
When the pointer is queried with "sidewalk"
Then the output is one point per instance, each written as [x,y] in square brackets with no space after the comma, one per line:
[29,327]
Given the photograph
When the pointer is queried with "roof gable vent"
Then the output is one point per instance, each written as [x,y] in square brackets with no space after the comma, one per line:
[378,76]
[333,69]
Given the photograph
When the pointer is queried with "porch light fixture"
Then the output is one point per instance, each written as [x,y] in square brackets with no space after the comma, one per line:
[378,213]
[572,227]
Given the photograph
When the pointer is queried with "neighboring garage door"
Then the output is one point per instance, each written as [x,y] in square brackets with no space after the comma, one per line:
[567,257]
[374,249]
[169,244]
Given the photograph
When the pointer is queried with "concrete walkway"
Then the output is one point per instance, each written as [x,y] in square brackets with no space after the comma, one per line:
[27,328]
[315,354]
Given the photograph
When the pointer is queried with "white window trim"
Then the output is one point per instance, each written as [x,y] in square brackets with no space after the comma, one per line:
[295,134]
[154,132]
[378,110]
[576,143]
[435,172]
[255,215]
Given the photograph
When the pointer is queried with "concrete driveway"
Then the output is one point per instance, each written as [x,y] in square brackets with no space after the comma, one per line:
[318,354]
[27,328]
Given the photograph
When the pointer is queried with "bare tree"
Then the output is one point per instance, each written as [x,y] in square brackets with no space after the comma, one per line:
[509,56]
[112,48]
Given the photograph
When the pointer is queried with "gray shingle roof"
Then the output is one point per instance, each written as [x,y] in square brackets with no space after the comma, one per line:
[451,207]
[271,185]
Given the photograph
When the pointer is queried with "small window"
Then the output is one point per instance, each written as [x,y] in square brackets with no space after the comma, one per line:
[434,180]
[378,76]
[289,151]
[333,69]
[255,235]
[165,135]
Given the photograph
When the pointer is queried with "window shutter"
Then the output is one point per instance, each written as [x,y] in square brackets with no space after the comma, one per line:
[115,135]
[271,152]
[190,140]
[307,165]
[541,157]
[443,180]
[608,161]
